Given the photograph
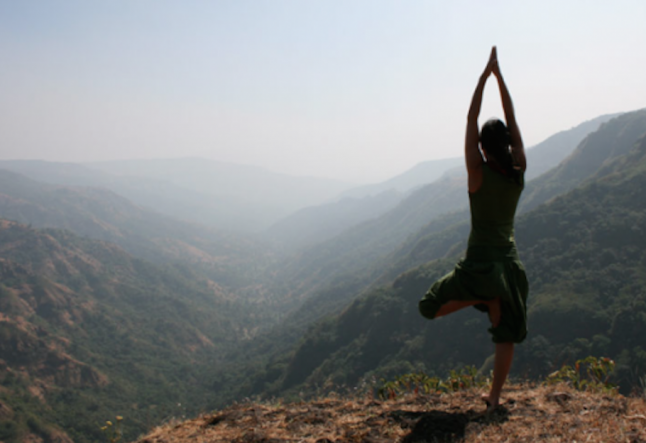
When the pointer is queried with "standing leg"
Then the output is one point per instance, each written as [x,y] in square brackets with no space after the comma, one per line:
[502,365]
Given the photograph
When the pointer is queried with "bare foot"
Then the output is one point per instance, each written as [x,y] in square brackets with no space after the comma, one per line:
[494,312]
[491,405]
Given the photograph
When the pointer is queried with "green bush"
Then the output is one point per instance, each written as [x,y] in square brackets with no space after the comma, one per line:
[419,382]
[588,374]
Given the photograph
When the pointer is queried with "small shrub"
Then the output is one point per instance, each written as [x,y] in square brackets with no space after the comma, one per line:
[419,382]
[588,374]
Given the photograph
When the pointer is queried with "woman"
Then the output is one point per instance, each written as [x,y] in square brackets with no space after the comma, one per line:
[491,277]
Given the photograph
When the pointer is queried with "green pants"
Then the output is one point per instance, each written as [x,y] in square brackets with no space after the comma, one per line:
[486,273]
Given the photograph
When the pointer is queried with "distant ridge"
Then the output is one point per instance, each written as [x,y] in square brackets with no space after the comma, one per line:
[103,215]
[550,152]
[315,224]
[221,195]
[247,182]
[420,174]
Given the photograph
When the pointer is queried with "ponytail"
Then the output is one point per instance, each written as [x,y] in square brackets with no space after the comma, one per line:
[495,140]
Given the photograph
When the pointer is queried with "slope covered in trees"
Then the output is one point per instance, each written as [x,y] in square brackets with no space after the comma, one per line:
[556,148]
[87,331]
[234,260]
[614,138]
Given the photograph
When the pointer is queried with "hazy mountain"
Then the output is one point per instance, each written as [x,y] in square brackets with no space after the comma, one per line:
[158,195]
[229,258]
[550,152]
[614,138]
[267,196]
[88,332]
[360,245]
[315,224]
[420,174]
[225,196]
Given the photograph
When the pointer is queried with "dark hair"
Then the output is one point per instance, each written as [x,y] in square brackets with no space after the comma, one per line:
[495,141]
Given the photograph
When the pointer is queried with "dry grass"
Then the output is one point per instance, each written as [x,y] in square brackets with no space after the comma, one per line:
[530,414]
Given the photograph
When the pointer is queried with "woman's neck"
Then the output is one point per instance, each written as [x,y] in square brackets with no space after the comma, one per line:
[496,166]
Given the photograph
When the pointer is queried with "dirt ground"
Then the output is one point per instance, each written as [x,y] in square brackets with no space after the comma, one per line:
[529,414]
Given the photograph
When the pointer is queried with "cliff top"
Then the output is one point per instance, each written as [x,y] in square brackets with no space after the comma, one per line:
[530,413]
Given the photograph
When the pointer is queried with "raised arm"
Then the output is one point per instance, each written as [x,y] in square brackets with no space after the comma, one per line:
[517,148]
[472,154]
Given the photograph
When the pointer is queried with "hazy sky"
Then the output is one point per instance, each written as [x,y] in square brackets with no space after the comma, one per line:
[356,89]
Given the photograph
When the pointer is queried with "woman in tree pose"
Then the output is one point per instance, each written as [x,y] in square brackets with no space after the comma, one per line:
[491,277]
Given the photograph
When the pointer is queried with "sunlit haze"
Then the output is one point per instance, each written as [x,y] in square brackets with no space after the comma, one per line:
[352,90]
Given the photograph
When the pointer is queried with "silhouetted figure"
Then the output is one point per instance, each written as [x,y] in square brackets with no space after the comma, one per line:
[491,277]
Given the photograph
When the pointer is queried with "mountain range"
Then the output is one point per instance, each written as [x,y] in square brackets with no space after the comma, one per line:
[234,260]
[224,196]
[111,306]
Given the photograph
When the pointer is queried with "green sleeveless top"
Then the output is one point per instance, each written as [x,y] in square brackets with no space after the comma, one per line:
[492,267]
[493,207]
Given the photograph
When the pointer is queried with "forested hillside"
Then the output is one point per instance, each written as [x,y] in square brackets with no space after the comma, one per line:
[87,331]
[241,263]
[550,152]
[614,138]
